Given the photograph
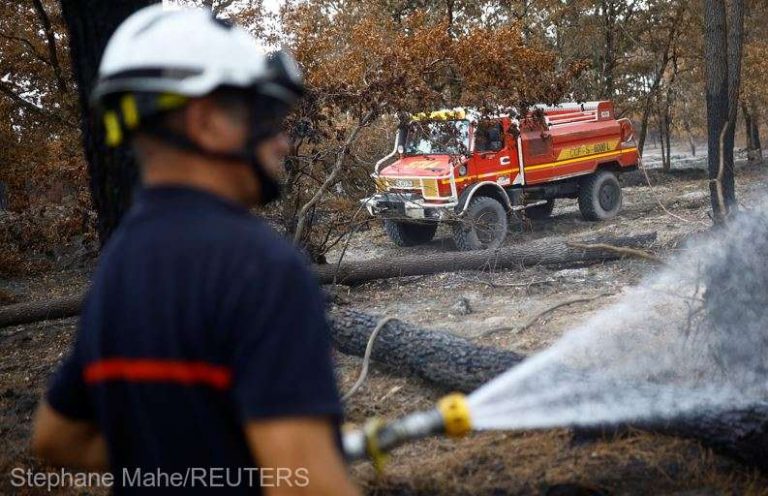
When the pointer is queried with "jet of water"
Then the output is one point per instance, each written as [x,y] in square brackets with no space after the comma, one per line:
[691,339]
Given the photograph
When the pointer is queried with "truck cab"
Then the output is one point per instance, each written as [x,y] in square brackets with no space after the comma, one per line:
[472,171]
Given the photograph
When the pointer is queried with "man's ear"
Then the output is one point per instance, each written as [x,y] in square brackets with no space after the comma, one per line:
[211,127]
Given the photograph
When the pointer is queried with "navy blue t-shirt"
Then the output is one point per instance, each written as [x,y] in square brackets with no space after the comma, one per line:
[199,318]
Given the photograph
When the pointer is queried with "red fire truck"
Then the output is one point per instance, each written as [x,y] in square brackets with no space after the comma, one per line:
[473,171]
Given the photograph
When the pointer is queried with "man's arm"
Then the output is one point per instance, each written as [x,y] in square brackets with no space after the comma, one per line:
[307,447]
[62,441]
[284,382]
[64,432]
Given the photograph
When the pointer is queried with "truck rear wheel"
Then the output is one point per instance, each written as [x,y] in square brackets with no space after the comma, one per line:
[600,196]
[540,212]
[409,233]
[483,227]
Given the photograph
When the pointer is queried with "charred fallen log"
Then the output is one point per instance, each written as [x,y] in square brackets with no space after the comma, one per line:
[547,251]
[741,434]
[35,311]
[443,359]
[540,252]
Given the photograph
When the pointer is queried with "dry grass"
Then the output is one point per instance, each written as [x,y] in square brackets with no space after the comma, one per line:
[549,462]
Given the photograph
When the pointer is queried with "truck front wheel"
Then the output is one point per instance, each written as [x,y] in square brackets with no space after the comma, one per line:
[600,196]
[483,227]
[409,233]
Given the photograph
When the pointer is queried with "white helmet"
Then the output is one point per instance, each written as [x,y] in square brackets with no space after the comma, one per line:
[178,54]
[157,59]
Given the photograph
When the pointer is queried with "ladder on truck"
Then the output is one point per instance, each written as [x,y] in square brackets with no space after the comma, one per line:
[574,113]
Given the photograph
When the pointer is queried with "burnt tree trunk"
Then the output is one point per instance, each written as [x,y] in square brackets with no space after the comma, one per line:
[540,252]
[716,63]
[747,124]
[643,134]
[35,311]
[757,150]
[112,172]
[608,59]
[663,138]
[692,144]
[447,361]
[752,130]
[667,116]
[689,133]
[50,39]
[741,434]
[668,137]
[723,73]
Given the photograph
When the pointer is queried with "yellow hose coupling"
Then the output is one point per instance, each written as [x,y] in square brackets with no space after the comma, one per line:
[455,411]
[377,456]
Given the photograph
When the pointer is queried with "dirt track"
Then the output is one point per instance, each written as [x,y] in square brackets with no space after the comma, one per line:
[546,462]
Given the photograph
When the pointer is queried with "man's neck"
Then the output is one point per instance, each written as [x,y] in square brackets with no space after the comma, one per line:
[209,187]
[221,179]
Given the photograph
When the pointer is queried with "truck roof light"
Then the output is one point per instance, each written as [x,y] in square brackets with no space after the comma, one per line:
[441,115]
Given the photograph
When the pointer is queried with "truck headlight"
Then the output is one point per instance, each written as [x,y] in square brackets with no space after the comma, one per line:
[430,187]
[381,184]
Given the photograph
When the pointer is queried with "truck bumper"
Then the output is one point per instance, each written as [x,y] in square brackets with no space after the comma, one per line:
[407,206]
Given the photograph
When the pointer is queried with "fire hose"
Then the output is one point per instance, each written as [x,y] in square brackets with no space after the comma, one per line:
[450,417]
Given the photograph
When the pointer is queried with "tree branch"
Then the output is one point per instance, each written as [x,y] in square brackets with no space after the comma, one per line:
[7,90]
[539,315]
[51,43]
[331,179]
[621,250]
[28,44]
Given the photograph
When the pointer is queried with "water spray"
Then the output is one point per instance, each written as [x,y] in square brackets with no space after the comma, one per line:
[450,417]
[690,339]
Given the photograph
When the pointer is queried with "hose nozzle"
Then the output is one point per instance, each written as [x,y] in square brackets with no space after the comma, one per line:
[454,410]
[451,417]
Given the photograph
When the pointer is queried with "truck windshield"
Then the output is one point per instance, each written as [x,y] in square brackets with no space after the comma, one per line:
[437,137]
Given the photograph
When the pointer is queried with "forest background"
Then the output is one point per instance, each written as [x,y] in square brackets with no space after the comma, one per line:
[366,62]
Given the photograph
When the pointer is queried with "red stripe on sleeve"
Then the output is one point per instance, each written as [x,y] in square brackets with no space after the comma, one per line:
[144,370]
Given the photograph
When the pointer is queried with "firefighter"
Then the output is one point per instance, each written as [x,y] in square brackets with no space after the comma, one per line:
[203,343]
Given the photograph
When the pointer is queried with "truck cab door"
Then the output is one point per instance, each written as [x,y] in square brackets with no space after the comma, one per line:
[538,155]
[492,158]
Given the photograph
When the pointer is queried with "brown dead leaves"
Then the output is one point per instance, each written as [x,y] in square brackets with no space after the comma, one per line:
[358,58]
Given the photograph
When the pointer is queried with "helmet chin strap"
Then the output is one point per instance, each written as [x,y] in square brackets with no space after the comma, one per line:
[269,188]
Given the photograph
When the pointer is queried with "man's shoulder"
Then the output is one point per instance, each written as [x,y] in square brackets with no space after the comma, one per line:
[237,237]
[255,235]
[256,248]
